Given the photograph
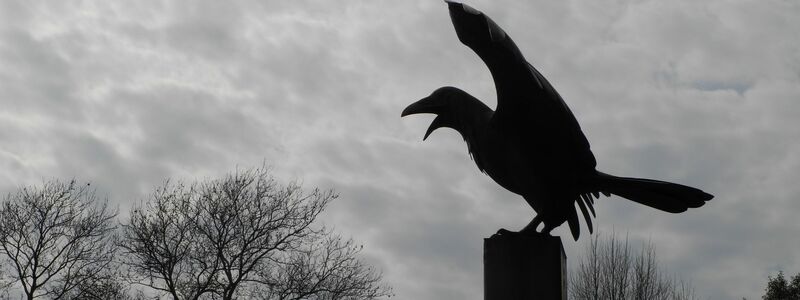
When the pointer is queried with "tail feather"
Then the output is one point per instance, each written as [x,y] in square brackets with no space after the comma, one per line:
[661,195]
[572,220]
[582,203]
[589,202]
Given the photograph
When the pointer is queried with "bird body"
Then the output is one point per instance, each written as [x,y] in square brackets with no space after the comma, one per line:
[532,144]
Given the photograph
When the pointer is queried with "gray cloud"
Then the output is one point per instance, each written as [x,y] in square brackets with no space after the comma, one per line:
[702,93]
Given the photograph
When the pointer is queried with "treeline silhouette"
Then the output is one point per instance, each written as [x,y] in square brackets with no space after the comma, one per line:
[778,288]
[242,236]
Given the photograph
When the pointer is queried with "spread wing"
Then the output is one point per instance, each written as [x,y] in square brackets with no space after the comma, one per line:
[526,101]
[531,115]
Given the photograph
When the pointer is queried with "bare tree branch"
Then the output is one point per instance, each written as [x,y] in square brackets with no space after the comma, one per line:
[610,270]
[55,235]
[161,248]
[240,236]
[326,267]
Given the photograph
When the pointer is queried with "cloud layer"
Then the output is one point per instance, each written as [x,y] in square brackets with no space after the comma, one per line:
[702,93]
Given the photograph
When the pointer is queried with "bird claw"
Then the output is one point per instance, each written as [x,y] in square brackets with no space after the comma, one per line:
[506,232]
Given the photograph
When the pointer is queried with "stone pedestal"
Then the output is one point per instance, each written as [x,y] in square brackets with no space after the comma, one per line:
[524,267]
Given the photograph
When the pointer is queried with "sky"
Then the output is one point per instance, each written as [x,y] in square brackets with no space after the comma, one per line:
[126,94]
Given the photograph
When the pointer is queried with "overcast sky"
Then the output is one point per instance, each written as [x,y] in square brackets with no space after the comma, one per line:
[705,93]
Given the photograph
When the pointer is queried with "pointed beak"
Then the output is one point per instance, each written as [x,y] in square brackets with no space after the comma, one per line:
[436,124]
[424,106]
[427,106]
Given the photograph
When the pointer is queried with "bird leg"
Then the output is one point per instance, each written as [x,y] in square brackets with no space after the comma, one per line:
[547,228]
[532,225]
[529,229]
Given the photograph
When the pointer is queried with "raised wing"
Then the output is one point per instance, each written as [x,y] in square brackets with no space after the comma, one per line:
[526,101]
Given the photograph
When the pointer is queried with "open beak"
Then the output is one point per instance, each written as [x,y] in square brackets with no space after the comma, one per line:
[426,106]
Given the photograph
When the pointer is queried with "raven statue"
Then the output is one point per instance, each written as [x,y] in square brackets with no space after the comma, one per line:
[531,144]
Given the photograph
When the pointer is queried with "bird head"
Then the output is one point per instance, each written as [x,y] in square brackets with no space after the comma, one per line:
[454,108]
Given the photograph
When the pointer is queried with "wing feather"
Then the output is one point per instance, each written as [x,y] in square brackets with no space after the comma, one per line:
[527,104]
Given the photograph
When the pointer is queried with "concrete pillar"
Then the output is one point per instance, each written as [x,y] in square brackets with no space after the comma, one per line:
[524,267]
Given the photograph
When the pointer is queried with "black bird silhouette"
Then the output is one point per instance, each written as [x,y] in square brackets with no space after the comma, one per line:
[531,144]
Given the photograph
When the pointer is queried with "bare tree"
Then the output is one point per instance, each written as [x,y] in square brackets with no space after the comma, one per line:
[163,251]
[327,268]
[240,236]
[611,270]
[55,237]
